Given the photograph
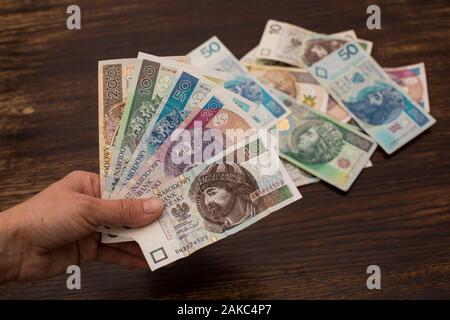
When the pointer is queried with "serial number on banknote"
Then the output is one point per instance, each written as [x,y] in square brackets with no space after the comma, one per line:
[191,244]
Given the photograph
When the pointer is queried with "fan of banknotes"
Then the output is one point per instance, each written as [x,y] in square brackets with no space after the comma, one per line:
[225,142]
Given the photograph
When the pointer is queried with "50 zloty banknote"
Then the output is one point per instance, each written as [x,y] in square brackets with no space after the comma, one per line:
[359,84]
[301,85]
[215,55]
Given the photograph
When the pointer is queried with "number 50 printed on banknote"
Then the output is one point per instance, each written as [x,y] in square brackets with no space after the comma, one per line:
[360,85]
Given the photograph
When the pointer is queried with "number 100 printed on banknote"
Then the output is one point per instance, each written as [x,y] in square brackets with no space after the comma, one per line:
[360,85]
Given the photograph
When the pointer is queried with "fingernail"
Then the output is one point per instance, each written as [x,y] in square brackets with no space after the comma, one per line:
[153,205]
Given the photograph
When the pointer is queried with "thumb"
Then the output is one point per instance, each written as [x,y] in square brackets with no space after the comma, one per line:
[129,212]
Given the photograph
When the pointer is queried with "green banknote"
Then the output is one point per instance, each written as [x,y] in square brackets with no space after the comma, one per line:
[322,146]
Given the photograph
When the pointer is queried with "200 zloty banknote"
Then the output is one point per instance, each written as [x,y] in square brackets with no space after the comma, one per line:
[114,79]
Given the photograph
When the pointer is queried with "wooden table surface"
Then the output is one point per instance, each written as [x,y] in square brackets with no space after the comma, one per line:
[397,214]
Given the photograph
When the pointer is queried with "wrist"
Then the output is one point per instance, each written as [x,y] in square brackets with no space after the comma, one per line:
[11,250]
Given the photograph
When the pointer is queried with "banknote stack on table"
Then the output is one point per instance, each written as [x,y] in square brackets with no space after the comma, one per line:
[225,142]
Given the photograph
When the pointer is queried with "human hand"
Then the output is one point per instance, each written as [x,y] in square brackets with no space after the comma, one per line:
[42,236]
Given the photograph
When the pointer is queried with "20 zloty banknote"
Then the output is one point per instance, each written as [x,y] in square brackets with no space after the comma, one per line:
[332,151]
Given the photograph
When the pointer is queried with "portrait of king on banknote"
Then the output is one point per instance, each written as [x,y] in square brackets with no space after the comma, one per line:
[317,141]
[224,195]
[317,49]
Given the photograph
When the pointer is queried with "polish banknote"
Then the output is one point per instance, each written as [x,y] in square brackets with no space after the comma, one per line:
[356,81]
[413,80]
[410,78]
[251,58]
[215,199]
[295,82]
[300,84]
[213,54]
[332,151]
[304,86]
[114,79]
[281,42]
[351,35]
[299,176]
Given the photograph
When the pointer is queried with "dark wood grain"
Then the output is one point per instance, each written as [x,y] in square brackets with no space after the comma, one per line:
[397,215]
